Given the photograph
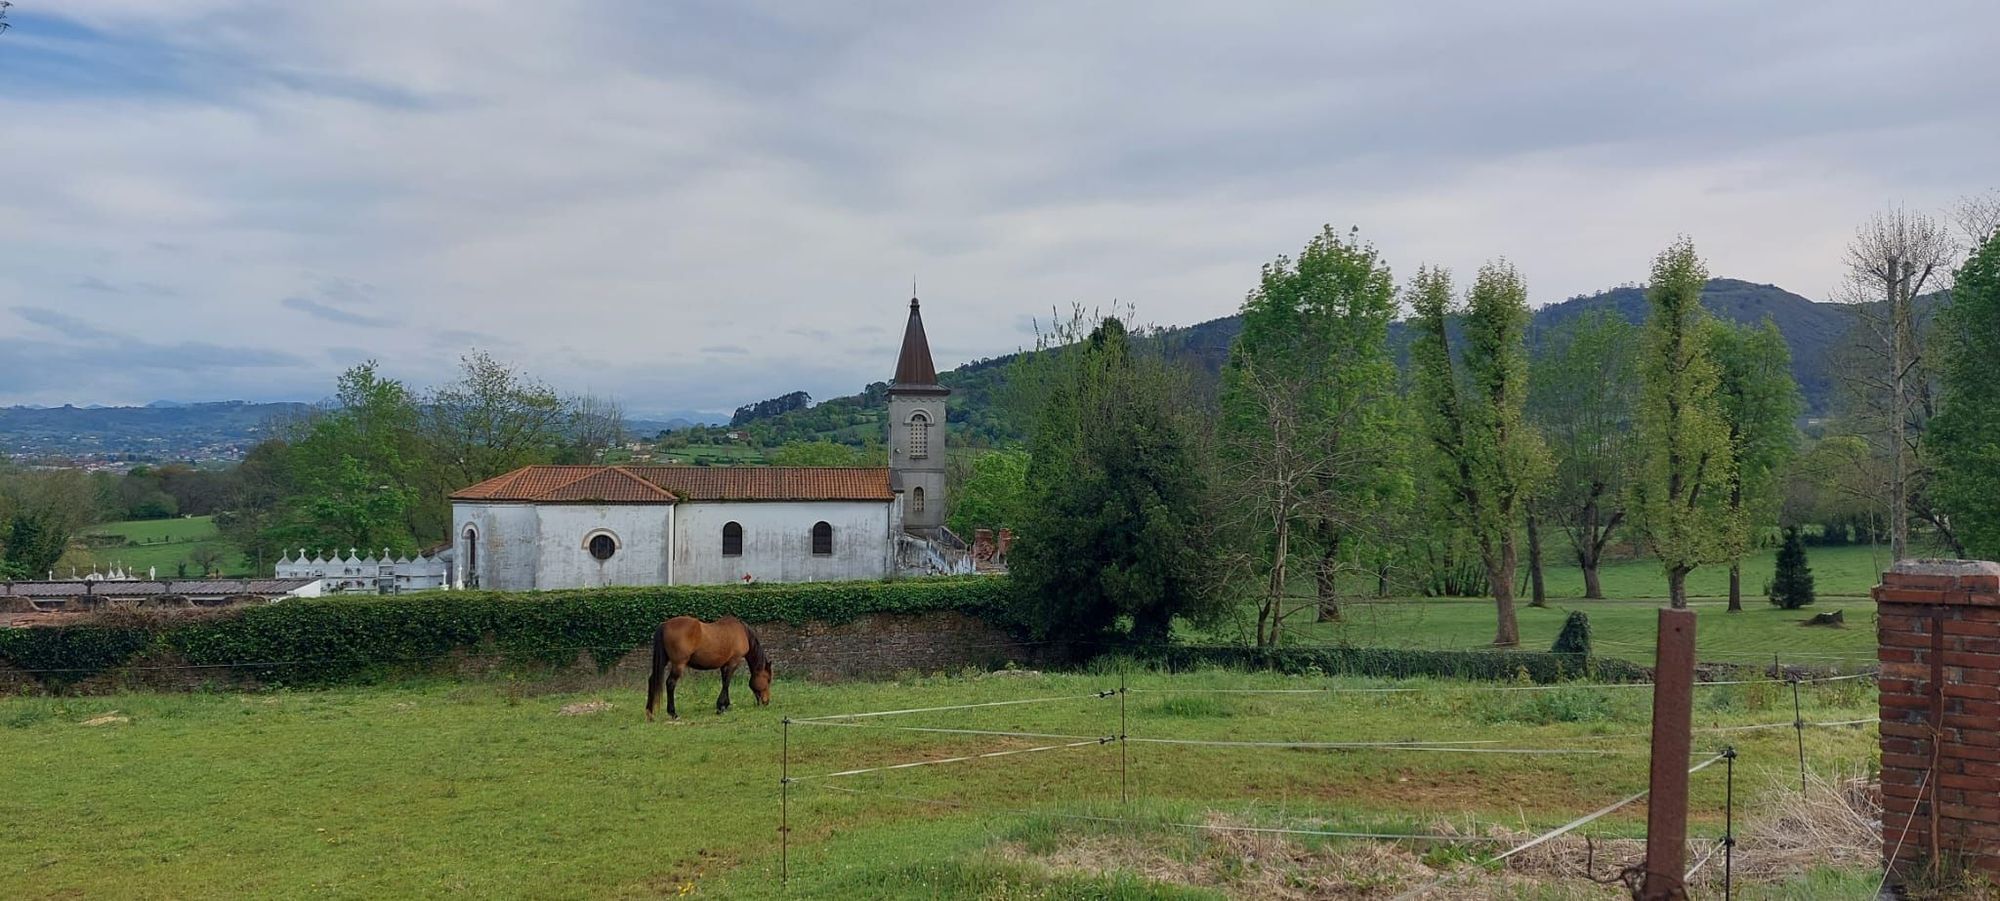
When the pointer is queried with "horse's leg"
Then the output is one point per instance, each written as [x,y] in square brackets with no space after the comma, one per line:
[728,673]
[653,684]
[673,681]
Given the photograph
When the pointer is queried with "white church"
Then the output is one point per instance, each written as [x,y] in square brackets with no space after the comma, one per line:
[547,527]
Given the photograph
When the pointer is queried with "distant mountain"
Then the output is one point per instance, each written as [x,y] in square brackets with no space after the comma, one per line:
[1813,330]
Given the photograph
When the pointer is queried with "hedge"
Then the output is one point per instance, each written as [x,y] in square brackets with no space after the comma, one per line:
[306,641]
[1398,663]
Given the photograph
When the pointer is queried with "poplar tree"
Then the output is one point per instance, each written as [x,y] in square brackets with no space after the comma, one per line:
[1760,404]
[1679,497]
[1472,408]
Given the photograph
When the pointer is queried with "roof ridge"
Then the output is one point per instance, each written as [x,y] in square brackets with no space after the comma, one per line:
[621,470]
[588,471]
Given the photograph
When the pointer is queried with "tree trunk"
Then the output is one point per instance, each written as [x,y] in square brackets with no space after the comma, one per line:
[1274,593]
[1677,592]
[1382,580]
[1736,586]
[1500,573]
[1327,578]
[1541,595]
[1592,588]
[1899,317]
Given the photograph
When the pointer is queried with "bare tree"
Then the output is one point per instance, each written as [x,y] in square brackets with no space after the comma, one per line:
[1896,256]
[596,424]
[1978,216]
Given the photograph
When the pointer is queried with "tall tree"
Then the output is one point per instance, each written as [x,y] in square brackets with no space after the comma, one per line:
[1582,397]
[1486,449]
[1761,405]
[1308,401]
[1678,498]
[1967,449]
[1895,257]
[1114,529]
[352,470]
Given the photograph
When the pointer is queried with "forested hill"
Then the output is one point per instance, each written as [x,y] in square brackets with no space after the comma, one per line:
[1812,329]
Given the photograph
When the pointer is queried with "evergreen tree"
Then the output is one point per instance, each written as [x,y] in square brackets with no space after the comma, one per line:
[1792,585]
[1963,435]
[1114,531]
[1575,635]
[1679,498]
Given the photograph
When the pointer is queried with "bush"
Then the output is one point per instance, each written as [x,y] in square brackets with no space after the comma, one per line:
[334,639]
[1792,583]
[1575,635]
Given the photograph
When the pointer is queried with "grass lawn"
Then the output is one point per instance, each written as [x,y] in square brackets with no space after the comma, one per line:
[484,789]
[164,544]
[1845,571]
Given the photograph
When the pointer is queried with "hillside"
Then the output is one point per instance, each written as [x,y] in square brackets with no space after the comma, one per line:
[1812,329]
[160,431]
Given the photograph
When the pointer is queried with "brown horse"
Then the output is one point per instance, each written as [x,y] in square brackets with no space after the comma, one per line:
[684,642]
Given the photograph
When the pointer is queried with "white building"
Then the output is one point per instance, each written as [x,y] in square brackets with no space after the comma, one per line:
[546,527]
[355,574]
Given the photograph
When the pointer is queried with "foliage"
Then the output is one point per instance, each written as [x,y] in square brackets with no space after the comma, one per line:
[1308,419]
[40,512]
[1114,529]
[1575,635]
[315,641]
[1581,395]
[1760,404]
[826,453]
[1679,498]
[1792,584]
[1964,436]
[1472,411]
[765,409]
[994,496]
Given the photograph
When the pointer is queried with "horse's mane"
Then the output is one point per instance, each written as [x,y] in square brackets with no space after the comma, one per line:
[756,657]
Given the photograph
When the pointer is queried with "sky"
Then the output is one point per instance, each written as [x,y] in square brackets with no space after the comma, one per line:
[695,205]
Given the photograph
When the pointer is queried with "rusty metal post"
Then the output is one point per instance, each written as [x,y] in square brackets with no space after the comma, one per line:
[1673,737]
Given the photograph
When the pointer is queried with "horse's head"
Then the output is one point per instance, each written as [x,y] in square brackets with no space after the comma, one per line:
[760,681]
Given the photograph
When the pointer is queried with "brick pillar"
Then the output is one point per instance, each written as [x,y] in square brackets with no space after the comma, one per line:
[1939,645]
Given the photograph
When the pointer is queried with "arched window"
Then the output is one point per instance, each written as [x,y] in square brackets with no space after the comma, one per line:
[920,435]
[732,540]
[471,557]
[601,544]
[822,539]
[917,499]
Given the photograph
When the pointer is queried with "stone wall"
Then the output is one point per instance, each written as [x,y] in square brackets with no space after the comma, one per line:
[879,645]
[1939,630]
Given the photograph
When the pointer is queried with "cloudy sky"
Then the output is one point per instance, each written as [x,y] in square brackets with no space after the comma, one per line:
[692,205]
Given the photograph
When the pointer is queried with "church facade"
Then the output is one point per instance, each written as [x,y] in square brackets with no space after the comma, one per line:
[549,527]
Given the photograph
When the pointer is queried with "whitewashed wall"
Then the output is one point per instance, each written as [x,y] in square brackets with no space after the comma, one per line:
[641,531]
[777,541]
[508,539]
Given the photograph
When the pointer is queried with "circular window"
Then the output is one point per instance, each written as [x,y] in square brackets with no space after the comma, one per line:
[602,547]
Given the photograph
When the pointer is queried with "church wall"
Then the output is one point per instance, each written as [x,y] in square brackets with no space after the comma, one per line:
[508,539]
[777,541]
[564,560]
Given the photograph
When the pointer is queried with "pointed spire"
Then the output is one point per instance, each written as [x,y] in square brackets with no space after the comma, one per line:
[914,368]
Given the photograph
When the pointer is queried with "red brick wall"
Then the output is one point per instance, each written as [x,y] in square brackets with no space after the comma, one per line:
[1939,637]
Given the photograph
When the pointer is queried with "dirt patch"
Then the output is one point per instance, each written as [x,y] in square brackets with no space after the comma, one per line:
[109,719]
[584,708]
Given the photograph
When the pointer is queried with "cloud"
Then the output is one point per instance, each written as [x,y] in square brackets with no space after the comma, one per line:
[63,323]
[641,178]
[332,313]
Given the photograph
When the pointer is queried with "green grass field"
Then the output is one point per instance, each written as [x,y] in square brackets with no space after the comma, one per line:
[1846,571]
[163,545]
[485,789]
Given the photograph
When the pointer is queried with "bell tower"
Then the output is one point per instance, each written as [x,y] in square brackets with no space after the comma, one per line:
[917,431]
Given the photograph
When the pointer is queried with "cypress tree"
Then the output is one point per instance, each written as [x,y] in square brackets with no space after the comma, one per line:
[1575,635]
[1792,586]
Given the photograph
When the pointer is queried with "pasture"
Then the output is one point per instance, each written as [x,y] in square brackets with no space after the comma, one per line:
[501,788]
[164,545]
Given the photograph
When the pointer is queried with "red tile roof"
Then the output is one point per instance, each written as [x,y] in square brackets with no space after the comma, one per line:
[640,484]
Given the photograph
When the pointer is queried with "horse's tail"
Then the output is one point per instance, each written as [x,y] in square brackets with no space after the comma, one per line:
[659,678]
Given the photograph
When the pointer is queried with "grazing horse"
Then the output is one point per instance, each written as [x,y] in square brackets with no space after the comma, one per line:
[684,642]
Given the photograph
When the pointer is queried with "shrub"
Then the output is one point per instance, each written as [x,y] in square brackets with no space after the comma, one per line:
[1397,663]
[343,638]
[1575,635]
[1792,583]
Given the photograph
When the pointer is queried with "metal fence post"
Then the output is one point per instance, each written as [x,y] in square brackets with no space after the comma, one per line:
[785,807]
[1799,726]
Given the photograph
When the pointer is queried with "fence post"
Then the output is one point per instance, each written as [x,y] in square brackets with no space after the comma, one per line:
[785,806]
[1799,726]
[1728,822]
[1123,800]
[1673,724]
